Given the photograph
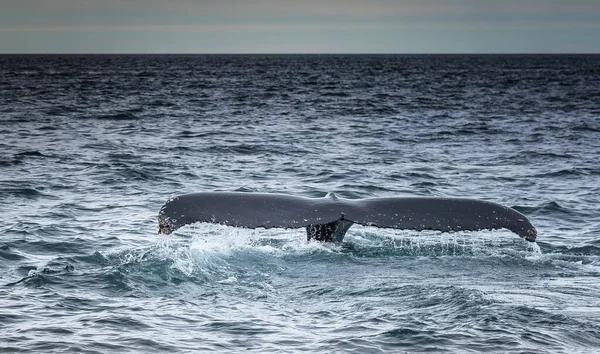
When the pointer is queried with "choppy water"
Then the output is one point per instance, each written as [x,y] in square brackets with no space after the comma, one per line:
[92,146]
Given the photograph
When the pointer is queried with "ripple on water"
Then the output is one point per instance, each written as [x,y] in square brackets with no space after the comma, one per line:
[93,145]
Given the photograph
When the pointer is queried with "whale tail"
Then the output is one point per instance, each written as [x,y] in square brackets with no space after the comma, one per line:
[328,218]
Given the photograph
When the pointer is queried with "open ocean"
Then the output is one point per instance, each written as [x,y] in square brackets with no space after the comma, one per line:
[92,146]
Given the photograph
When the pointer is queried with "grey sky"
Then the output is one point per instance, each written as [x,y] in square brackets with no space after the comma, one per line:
[301,26]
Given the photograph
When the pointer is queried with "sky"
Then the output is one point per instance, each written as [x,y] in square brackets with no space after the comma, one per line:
[300,26]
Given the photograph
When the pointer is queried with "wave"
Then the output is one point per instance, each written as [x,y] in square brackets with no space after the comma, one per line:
[213,253]
[131,114]
[542,209]
[23,192]
[249,260]
[569,172]
[30,153]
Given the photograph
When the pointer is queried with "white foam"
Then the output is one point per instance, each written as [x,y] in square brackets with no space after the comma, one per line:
[208,248]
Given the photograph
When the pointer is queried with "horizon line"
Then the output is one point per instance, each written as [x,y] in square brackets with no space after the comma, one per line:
[308,53]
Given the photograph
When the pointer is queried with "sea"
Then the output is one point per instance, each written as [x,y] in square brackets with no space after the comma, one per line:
[91,147]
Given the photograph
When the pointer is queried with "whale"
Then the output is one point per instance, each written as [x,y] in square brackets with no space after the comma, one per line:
[327,219]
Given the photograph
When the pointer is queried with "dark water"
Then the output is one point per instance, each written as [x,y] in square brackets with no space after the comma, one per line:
[91,147]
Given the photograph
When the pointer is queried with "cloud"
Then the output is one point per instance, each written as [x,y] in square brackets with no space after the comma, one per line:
[244,10]
[257,27]
[362,25]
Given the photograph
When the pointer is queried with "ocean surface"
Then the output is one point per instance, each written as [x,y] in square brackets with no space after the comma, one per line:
[92,146]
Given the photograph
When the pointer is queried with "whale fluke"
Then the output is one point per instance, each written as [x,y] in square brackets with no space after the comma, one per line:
[328,218]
